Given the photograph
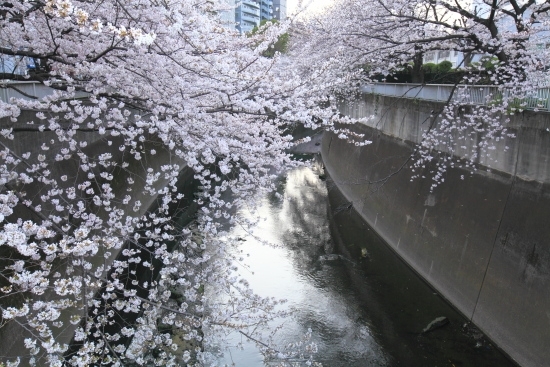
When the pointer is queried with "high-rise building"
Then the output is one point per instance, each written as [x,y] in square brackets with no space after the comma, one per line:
[228,16]
[247,15]
[251,12]
[279,9]
[266,8]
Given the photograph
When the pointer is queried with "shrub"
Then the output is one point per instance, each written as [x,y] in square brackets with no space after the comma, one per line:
[489,63]
[444,67]
[429,67]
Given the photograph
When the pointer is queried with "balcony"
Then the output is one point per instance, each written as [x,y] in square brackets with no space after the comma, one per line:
[250,18]
[251,12]
[250,3]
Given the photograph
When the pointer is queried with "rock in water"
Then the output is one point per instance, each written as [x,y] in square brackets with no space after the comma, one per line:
[436,324]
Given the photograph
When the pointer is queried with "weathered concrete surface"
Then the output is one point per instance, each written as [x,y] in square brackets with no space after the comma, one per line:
[482,242]
[399,306]
[407,120]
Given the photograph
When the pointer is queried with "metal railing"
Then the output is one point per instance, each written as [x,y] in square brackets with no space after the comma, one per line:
[24,89]
[250,3]
[250,18]
[537,99]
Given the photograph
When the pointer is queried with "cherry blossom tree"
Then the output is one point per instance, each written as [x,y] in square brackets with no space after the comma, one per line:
[359,42]
[95,267]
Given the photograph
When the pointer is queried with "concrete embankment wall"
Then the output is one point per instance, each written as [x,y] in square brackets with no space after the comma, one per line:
[481,239]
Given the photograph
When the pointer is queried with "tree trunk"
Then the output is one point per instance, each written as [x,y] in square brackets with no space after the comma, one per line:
[417,73]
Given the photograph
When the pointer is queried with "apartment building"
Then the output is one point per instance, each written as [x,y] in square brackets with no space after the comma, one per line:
[279,9]
[247,15]
[266,9]
[251,12]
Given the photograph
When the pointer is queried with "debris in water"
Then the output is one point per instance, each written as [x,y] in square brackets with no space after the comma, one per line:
[345,206]
[436,324]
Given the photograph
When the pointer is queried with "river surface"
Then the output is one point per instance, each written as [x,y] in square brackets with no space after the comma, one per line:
[364,306]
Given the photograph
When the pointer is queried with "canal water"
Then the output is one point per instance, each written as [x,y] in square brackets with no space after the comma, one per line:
[363,305]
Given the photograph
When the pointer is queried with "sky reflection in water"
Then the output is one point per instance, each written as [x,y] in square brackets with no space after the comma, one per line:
[318,291]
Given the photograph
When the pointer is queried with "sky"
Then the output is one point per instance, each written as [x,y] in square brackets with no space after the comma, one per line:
[315,6]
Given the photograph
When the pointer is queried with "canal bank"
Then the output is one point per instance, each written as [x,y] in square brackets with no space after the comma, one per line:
[480,239]
[409,317]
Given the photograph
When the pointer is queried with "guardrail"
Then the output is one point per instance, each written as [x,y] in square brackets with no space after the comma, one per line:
[24,89]
[538,99]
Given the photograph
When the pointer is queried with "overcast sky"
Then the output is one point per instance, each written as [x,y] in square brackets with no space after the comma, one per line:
[314,7]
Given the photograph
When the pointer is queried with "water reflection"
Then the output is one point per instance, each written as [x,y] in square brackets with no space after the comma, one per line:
[295,271]
[363,310]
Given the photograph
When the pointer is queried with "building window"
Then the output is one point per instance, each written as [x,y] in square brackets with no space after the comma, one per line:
[444,54]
